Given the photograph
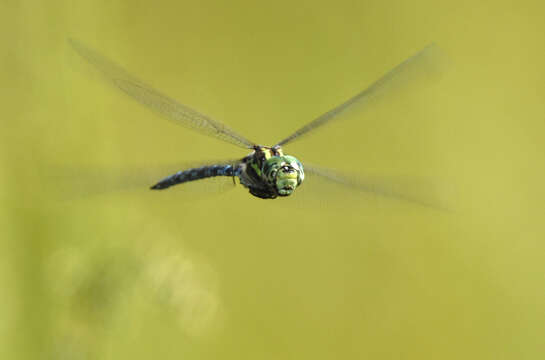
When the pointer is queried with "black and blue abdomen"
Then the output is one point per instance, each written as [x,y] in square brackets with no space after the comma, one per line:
[197,174]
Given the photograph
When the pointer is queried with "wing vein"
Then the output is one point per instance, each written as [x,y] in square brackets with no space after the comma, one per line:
[364,97]
[159,103]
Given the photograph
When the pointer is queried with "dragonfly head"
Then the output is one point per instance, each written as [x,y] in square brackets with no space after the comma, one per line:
[285,173]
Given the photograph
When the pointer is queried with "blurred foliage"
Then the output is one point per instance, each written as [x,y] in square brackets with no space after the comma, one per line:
[88,273]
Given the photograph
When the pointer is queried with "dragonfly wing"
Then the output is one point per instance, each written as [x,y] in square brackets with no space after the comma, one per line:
[396,76]
[159,103]
[74,182]
[389,188]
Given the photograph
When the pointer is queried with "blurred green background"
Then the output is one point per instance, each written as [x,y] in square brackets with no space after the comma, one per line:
[135,274]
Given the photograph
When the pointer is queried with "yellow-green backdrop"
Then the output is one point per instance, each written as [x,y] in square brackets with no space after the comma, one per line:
[328,274]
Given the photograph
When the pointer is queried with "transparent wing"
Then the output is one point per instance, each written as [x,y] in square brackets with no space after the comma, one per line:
[400,74]
[73,182]
[422,193]
[159,103]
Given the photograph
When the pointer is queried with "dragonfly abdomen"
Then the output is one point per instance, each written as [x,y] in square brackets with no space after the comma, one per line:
[196,174]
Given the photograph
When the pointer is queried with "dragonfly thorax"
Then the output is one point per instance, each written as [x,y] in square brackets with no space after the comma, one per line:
[274,173]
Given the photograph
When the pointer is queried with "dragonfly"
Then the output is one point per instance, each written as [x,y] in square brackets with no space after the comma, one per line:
[267,172]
